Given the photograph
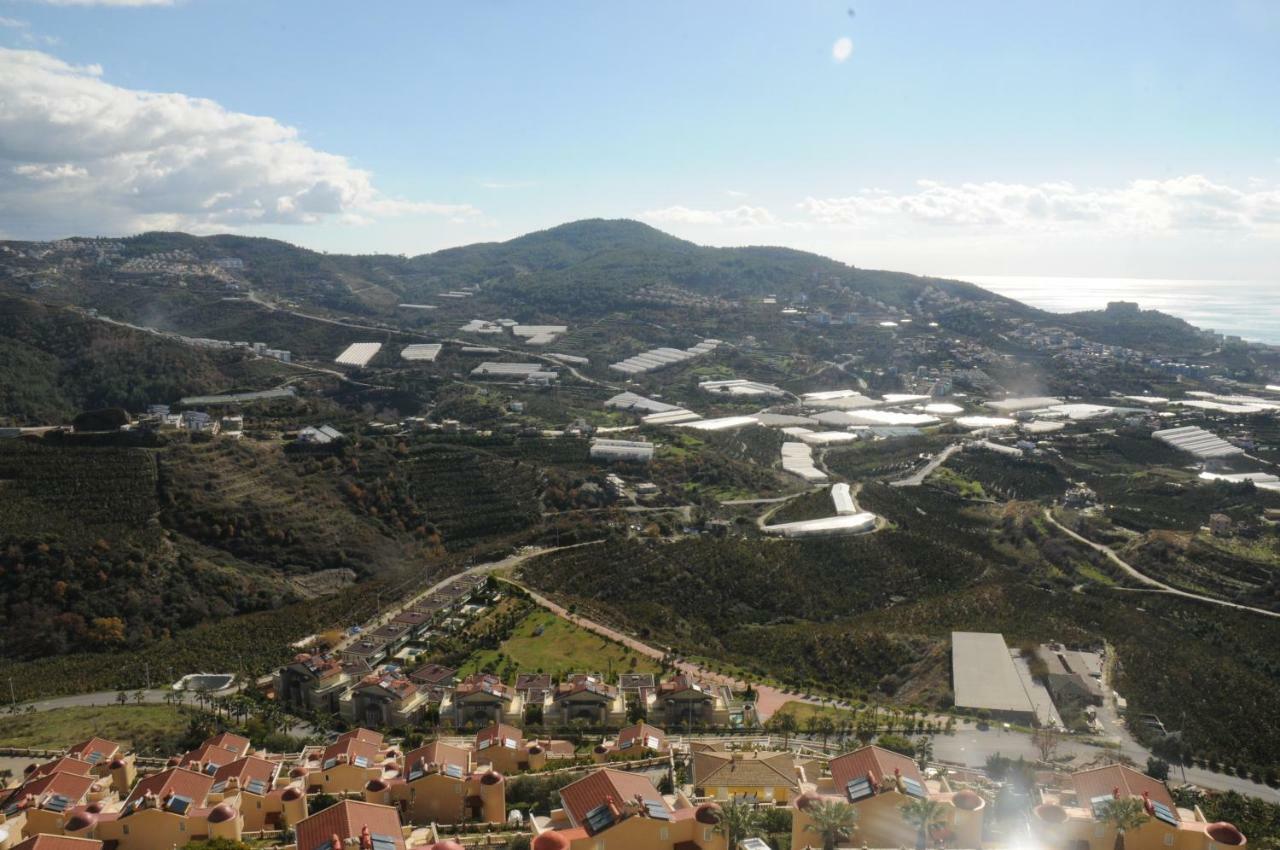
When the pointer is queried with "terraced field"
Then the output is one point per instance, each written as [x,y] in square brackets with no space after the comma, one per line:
[78,494]
[472,495]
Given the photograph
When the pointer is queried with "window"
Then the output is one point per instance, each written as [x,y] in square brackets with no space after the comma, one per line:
[664,834]
[768,792]
[182,826]
[126,829]
[707,833]
[1168,840]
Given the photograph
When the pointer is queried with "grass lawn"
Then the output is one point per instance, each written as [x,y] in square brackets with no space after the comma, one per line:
[559,648]
[802,711]
[142,727]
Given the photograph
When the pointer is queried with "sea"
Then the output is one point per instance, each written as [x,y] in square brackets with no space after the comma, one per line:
[1246,308]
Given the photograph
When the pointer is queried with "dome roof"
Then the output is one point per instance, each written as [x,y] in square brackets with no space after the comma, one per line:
[708,813]
[805,800]
[375,785]
[1225,833]
[1051,813]
[31,768]
[550,840]
[80,821]
[221,813]
[93,808]
[534,749]
[298,772]
[174,761]
[492,777]
[968,800]
[116,764]
[447,845]
[293,792]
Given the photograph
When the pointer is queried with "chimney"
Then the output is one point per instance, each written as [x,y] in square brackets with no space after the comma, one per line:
[366,840]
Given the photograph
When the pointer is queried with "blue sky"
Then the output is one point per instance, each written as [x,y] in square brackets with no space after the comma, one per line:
[1091,138]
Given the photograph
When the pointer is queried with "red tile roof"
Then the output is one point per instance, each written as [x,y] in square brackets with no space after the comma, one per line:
[348,819]
[175,780]
[65,764]
[438,753]
[1104,781]
[73,786]
[498,733]
[877,762]
[602,787]
[640,733]
[106,749]
[362,734]
[207,754]
[483,683]
[433,674]
[247,769]
[353,749]
[44,841]
[231,741]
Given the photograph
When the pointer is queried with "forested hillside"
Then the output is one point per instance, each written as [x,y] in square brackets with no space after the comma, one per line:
[55,362]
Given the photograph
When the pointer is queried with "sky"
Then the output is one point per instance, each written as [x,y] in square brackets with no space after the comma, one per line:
[1130,139]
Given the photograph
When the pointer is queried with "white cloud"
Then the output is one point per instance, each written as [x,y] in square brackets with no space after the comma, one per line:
[734,193]
[78,154]
[738,217]
[1191,202]
[842,49]
[12,23]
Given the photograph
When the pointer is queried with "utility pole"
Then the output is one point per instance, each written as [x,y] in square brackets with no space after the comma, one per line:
[13,697]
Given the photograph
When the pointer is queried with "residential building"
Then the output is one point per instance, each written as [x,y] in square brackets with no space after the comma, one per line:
[351,823]
[587,697]
[385,698]
[624,811]
[764,777]
[43,803]
[166,809]
[253,781]
[347,764]
[1071,676]
[685,701]
[440,783]
[313,682]
[877,783]
[1074,817]
[505,749]
[482,698]
[635,741]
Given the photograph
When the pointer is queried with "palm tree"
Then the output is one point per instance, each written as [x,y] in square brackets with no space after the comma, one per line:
[1124,814]
[738,820]
[833,820]
[787,726]
[925,815]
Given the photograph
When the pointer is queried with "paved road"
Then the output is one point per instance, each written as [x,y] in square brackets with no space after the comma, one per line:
[917,478]
[1147,580]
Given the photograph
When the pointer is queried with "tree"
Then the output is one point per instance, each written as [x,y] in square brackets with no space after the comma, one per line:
[1124,814]
[1046,743]
[925,815]
[924,751]
[833,821]
[787,726]
[1157,768]
[738,820]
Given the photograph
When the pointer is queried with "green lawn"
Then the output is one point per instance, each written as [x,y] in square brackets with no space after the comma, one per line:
[560,648]
[141,727]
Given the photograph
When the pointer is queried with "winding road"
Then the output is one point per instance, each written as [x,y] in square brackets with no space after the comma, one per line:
[1153,584]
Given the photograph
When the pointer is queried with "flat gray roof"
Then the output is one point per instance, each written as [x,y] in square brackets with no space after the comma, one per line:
[983,674]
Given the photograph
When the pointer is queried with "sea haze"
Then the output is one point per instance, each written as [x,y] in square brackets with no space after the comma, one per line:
[1246,308]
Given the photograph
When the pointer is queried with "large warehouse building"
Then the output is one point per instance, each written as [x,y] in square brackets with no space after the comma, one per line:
[983,676]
